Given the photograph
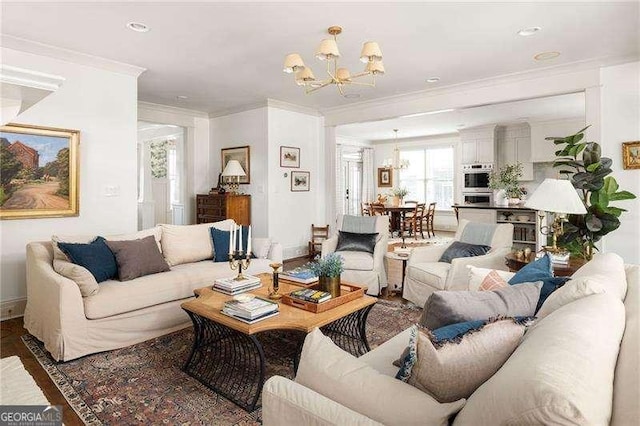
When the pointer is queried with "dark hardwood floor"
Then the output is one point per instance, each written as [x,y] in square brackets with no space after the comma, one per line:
[11,344]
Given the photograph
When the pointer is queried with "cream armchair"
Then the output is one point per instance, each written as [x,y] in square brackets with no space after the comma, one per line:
[425,274]
[363,268]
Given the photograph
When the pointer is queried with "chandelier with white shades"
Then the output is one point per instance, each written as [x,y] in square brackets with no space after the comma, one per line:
[328,51]
[396,163]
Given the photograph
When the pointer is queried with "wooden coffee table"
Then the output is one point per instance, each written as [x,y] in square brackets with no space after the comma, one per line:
[227,356]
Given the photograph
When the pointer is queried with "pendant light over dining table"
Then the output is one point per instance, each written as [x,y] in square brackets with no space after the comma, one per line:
[328,51]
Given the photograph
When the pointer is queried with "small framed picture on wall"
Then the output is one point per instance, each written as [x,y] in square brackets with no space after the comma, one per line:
[300,181]
[631,155]
[385,177]
[290,157]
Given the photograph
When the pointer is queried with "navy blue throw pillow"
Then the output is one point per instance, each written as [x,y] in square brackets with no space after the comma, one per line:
[95,257]
[221,243]
[540,270]
[459,249]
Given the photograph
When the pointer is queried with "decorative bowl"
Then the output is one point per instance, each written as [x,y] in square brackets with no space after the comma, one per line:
[522,218]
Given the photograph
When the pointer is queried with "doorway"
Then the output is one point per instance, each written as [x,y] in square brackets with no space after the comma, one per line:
[352,172]
[161,174]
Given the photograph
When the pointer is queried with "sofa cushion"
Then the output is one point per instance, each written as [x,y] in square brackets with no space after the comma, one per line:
[81,276]
[608,270]
[95,256]
[432,274]
[137,258]
[189,243]
[117,297]
[350,241]
[540,270]
[357,260]
[570,292]
[451,307]
[459,249]
[334,373]
[477,275]
[562,372]
[455,369]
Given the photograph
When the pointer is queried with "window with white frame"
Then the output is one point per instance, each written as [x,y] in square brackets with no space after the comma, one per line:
[429,177]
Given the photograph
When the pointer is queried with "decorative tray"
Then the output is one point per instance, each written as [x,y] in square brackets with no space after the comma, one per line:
[348,292]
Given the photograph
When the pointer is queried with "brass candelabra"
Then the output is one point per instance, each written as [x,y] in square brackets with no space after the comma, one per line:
[238,260]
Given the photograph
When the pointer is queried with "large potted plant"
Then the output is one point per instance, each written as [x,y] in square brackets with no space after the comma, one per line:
[506,182]
[589,173]
[328,270]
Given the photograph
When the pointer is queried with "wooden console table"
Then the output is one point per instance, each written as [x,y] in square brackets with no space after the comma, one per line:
[514,264]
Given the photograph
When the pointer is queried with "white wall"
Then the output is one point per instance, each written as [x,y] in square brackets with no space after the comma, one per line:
[292,213]
[102,105]
[620,122]
[241,129]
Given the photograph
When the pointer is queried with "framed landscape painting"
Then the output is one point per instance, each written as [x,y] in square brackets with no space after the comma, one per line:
[290,157]
[39,172]
[243,155]
[631,155]
[385,177]
[300,181]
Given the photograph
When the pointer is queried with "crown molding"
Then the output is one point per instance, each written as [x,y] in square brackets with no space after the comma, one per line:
[236,110]
[271,103]
[150,106]
[586,65]
[37,48]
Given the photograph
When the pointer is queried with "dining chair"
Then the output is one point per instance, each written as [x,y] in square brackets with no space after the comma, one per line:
[413,221]
[428,219]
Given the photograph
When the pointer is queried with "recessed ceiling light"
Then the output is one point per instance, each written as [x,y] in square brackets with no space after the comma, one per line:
[181,97]
[526,32]
[352,95]
[433,80]
[545,56]
[138,27]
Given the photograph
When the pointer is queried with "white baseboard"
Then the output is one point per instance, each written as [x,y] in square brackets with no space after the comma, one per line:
[12,308]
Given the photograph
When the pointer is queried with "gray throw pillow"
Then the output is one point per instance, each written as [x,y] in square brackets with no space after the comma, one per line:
[459,249]
[451,307]
[136,258]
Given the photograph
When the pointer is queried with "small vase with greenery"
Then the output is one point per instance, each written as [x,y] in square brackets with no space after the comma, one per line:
[507,179]
[399,193]
[328,270]
[589,173]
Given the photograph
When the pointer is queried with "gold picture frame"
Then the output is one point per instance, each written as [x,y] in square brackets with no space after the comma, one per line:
[385,177]
[39,172]
[243,155]
[631,155]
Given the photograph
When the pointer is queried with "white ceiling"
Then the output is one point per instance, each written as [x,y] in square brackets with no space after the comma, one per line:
[225,55]
[541,109]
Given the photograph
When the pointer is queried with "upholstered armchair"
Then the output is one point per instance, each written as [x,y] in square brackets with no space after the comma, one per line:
[360,267]
[425,274]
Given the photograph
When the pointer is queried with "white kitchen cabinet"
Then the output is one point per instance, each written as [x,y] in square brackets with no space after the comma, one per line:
[543,150]
[477,215]
[469,151]
[514,146]
[485,149]
[478,145]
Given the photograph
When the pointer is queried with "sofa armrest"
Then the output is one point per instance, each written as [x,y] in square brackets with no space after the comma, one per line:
[329,245]
[285,402]
[276,253]
[54,303]
[427,254]
[458,277]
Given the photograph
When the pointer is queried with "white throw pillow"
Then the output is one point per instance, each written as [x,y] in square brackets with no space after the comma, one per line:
[477,275]
[189,243]
[562,372]
[608,270]
[332,372]
[573,290]
[80,275]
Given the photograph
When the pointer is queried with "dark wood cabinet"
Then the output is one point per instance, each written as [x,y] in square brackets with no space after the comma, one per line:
[217,207]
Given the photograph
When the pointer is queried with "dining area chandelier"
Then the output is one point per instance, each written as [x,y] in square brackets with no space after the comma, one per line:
[395,162]
[341,77]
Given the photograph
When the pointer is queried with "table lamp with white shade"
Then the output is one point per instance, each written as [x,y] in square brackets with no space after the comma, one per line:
[234,169]
[556,196]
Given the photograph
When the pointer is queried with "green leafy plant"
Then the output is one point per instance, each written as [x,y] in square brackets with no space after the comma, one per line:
[400,192]
[330,266]
[589,173]
[507,178]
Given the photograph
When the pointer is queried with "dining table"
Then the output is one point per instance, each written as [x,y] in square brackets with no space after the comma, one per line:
[397,215]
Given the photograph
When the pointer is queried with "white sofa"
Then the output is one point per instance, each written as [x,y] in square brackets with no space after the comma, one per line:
[120,314]
[577,365]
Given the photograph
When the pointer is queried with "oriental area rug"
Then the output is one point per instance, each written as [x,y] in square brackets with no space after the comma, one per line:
[144,383]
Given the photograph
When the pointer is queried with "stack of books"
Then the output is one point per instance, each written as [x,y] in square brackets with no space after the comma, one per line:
[560,258]
[302,275]
[311,295]
[250,311]
[231,286]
